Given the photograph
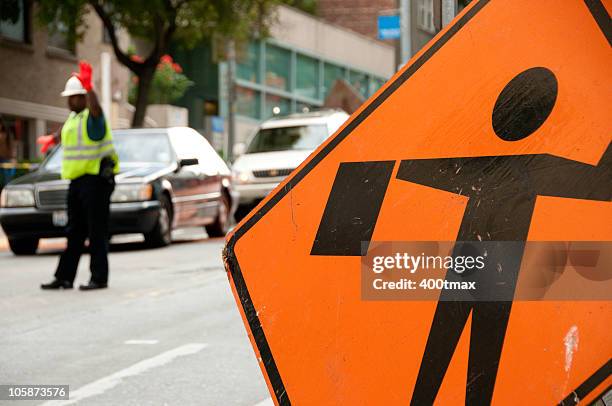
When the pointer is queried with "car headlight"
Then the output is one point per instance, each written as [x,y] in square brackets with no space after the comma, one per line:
[132,193]
[17,198]
[241,176]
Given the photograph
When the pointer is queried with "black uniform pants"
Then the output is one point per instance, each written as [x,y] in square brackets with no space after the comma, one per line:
[88,213]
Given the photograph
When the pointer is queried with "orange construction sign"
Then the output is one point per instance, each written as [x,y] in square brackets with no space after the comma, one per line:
[498,132]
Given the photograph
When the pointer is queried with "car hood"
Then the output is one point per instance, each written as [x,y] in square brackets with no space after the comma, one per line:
[127,174]
[270,160]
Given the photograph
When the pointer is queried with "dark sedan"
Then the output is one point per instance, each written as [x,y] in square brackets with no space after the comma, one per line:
[170,177]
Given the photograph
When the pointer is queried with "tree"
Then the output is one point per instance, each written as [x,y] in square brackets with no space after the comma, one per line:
[308,6]
[160,22]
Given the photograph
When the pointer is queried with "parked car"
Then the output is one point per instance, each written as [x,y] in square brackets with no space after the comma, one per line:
[276,149]
[170,177]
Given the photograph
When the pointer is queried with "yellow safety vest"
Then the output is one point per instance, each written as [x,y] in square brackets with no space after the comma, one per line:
[82,156]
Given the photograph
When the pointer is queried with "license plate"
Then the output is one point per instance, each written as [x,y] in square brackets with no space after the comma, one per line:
[60,218]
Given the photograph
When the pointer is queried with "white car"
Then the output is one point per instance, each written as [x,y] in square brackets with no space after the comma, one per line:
[276,149]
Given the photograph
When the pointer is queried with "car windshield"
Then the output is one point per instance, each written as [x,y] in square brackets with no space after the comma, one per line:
[132,148]
[288,138]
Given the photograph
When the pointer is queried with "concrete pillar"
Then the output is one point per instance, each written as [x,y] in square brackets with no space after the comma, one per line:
[40,128]
[105,64]
[449,11]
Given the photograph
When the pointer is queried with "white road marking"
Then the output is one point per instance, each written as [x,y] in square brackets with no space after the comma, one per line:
[141,342]
[102,385]
[266,402]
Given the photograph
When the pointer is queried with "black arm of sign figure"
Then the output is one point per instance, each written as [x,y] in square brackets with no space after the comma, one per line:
[358,191]
[455,175]
[560,177]
[352,208]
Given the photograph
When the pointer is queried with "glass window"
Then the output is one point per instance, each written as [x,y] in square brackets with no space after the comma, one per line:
[14,26]
[375,84]
[278,62]
[247,67]
[462,4]
[187,144]
[277,105]
[149,148]
[142,148]
[307,77]
[360,82]
[59,36]
[425,16]
[190,144]
[248,102]
[331,73]
[18,129]
[288,138]
[304,107]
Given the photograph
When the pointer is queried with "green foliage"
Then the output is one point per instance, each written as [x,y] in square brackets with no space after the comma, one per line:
[168,85]
[191,20]
[309,6]
[160,22]
[54,14]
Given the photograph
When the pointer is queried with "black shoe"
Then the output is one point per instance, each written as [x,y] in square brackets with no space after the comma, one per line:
[56,284]
[93,285]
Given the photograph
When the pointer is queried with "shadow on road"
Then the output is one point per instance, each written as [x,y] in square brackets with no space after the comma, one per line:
[129,246]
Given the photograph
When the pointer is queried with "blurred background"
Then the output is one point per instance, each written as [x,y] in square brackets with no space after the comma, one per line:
[212,105]
[285,56]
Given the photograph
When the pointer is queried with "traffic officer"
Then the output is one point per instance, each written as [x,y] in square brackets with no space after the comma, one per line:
[90,163]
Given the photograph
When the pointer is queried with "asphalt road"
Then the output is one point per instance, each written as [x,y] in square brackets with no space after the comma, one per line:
[166,332]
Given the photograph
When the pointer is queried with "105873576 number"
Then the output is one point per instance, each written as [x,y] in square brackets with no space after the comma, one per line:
[33,392]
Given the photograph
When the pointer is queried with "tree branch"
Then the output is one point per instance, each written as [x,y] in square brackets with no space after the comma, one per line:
[110,28]
[163,37]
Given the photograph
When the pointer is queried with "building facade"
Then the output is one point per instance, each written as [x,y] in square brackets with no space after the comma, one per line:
[35,63]
[427,17]
[356,15]
[292,70]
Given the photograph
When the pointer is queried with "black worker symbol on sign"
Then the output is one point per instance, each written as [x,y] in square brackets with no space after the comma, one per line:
[502,192]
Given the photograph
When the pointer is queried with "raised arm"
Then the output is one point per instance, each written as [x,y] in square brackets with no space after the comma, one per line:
[96,123]
[93,105]
[454,175]
[561,177]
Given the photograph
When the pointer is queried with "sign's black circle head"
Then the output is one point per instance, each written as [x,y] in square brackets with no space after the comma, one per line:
[524,104]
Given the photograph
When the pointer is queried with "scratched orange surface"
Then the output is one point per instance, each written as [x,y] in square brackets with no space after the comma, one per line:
[332,348]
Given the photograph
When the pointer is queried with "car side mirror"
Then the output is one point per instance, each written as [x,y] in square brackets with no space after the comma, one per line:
[239,149]
[188,162]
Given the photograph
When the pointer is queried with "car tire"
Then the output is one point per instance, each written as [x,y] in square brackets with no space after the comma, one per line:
[23,246]
[161,235]
[243,210]
[221,225]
